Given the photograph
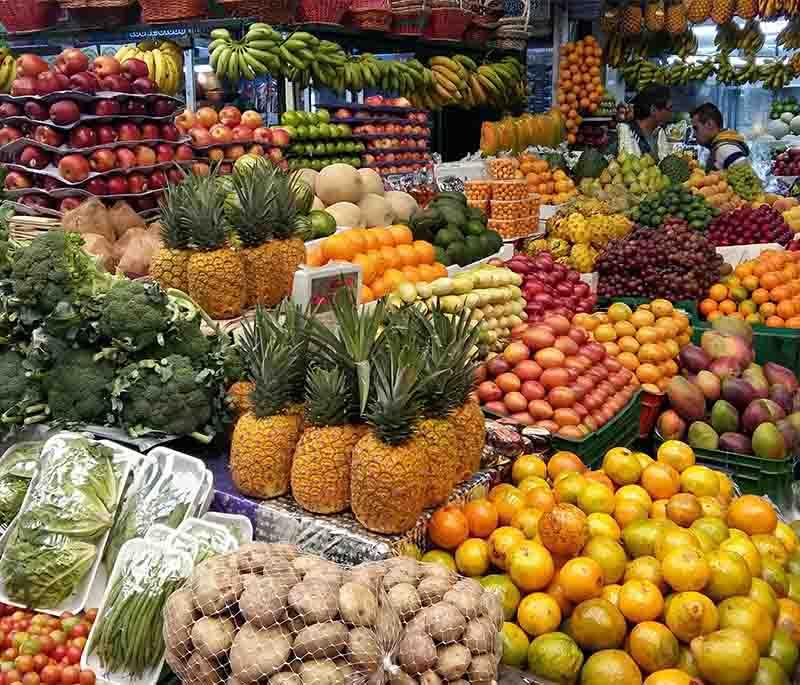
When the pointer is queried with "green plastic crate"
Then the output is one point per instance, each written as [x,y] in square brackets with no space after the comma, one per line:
[753,475]
[779,345]
[688,306]
[621,431]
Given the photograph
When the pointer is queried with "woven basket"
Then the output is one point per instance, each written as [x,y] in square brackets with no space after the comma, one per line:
[410,23]
[155,11]
[97,12]
[24,15]
[447,23]
[322,11]
[478,34]
[370,20]
[267,11]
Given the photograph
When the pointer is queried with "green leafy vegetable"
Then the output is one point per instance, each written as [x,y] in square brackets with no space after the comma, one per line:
[12,492]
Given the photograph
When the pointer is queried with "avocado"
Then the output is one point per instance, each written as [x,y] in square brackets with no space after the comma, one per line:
[473,227]
[441,256]
[457,253]
[452,212]
[449,235]
[473,248]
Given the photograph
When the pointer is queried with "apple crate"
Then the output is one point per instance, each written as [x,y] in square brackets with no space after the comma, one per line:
[753,475]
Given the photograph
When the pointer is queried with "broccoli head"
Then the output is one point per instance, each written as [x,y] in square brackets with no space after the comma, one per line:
[79,387]
[13,382]
[53,268]
[186,340]
[167,395]
[134,314]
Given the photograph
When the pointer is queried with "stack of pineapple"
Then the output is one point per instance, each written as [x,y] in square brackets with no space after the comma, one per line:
[376,417]
[234,241]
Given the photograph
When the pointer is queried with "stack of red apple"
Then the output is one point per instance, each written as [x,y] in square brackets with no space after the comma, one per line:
[226,135]
[80,130]
[553,376]
[550,287]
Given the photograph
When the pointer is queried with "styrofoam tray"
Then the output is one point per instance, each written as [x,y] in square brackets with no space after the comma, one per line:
[202,530]
[77,601]
[240,526]
[206,494]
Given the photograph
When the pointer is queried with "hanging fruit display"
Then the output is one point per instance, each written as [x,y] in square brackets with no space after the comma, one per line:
[580,87]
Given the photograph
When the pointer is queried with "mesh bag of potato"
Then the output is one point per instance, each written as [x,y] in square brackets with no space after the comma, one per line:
[271,615]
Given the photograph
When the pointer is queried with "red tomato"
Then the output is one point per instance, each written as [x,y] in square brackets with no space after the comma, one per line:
[46,644]
[79,642]
[30,679]
[73,655]
[24,663]
[50,675]
[59,637]
[40,661]
[59,652]
[70,675]
[87,677]
[13,676]
[79,630]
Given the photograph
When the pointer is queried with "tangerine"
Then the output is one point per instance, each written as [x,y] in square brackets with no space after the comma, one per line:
[634,493]
[748,616]
[597,624]
[691,614]
[752,514]
[685,569]
[472,557]
[700,481]
[528,465]
[672,676]
[501,541]
[530,566]
[603,524]
[538,613]
[640,600]
[581,578]
[677,454]
[609,554]
[789,618]
[729,575]
[627,511]
[596,498]
[509,595]
[481,517]
[661,480]
[448,527]
[610,666]
[515,645]
[555,658]
[509,504]
[527,520]
[564,530]
[541,499]
[683,509]
[622,466]
[653,647]
[564,461]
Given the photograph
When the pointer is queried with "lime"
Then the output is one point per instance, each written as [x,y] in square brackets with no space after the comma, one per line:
[322,223]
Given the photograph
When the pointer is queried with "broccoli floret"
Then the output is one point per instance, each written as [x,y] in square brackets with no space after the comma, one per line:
[51,269]
[13,382]
[79,387]
[169,395]
[187,340]
[135,314]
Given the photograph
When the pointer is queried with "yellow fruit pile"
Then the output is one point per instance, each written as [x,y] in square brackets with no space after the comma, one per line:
[643,571]
[715,189]
[646,341]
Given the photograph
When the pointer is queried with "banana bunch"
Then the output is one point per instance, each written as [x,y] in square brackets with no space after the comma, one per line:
[677,74]
[727,38]
[725,70]
[8,70]
[615,50]
[775,75]
[751,38]
[770,9]
[794,64]
[164,60]
[647,74]
[403,77]
[702,71]
[748,73]
[685,44]
[789,37]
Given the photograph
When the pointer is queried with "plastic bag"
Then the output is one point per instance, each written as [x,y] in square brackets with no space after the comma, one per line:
[134,250]
[99,246]
[89,217]
[123,218]
[268,613]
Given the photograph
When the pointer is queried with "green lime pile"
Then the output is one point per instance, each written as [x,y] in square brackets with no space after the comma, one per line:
[677,202]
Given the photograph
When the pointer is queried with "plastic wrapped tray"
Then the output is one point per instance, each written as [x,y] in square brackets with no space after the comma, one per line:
[15,146]
[52,171]
[80,96]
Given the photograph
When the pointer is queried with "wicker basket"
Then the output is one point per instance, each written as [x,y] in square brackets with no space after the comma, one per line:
[410,22]
[267,11]
[476,33]
[322,11]
[24,15]
[156,11]
[98,12]
[448,23]
[370,20]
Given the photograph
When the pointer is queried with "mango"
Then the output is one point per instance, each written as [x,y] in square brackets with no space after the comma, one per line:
[703,436]
[724,417]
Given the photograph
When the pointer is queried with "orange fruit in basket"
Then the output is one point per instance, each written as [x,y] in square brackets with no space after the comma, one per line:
[378,287]
[661,481]
[356,239]
[727,307]
[424,252]
[770,280]
[582,579]
[315,257]
[337,247]
[401,235]
[406,255]
[760,296]
[367,267]
[370,239]
[391,259]
[718,292]
[392,278]
[383,236]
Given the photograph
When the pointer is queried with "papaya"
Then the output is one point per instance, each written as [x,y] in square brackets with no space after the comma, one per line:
[490,143]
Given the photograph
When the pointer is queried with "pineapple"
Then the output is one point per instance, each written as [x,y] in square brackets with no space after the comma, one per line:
[654,15]
[214,274]
[263,210]
[239,396]
[722,11]
[321,464]
[609,19]
[697,11]
[265,437]
[632,19]
[169,264]
[388,475]
[746,9]
[675,20]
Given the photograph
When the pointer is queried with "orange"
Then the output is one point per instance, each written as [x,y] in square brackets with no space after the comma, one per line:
[378,287]
[640,600]
[789,617]
[642,317]
[315,256]
[366,294]
[718,292]
[472,557]
[427,273]
[671,676]
[367,267]
[645,568]
[538,613]
[391,259]
[337,247]
[597,624]
[767,309]
[752,514]
[541,499]
[727,306]
[377,262]
[628,359]
[677,454]
[406,255]
[770,280]
[684,509]
[610,554]
[383,237]
[356,239]
[481,517]
[691,614]
[448,527]
[581,578]
[707,306]
[527,520]
[786,309]
[556,591]
[648,373]
[627,511]
[441,270]
[528,465]
[392,278]
[760,296]
[411,273]
[530,566]
[653,647]
[685,569]
[424,251]
[648,334]
[401,235]
[775,322]
[508,504]
[562,462]
[501,542]
[750,282]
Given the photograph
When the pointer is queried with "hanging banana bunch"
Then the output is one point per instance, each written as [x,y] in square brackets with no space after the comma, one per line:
[727,38]
[789,37]
[751,39]
[686,44]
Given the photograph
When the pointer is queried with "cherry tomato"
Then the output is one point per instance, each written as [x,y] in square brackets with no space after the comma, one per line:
[47,644]
[24,663]
[59,652]
[73,655]
[30,679]
[70,675]
[50,675]
[13,676]
[40,661]
[59,637]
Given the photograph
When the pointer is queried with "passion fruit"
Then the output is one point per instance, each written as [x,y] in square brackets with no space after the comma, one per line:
[726,657]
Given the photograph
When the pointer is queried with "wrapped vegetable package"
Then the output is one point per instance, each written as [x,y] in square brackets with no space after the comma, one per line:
[270,614]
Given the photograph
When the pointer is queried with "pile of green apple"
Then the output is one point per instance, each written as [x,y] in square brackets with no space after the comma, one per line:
[317,143]
[625,181]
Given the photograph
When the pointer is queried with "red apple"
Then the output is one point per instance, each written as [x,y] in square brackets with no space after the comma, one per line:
[71,61]
[16,179]
[150,132]
[82,136]
[184,153]
[201,137]
[128,132]
[230,116]
[221,134]
[164,153]
[144,86]
[106,134]
[29,65]
[73,168]
[34,157]
[163,107]
[47,136]
[234,152]
[65,112]
[216,154]
[135,68]
[242,134]
[134,106]
[126,158]
[157,179]
[103,160]
[63,81]
[257,150]
[147,202]
[280,137]
[117,185]
[263,135]
[185,121]
[97,186]
[36,201]
[169,132]
[107,108]
[275,154]
[206,117]
[137,183]
[9,134]
[145,156]
[50,183]
[252,119]
[175,175]
[106,66]
[115,83]
[69,203]
[9,109]
[36,110]
[46,83]
[24,85]
[85,82]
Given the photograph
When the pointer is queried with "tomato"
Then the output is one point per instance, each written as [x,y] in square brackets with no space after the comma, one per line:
[79,630]
[30,679]
[59,637]
[24,663]
[50,675]
[47,644]
[59,652]
[73,655]
[69,623]
[13,676]
[87,677]
[40,661]
[70,675]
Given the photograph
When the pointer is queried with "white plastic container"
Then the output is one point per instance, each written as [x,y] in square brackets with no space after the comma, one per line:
[207,534]
[240,526]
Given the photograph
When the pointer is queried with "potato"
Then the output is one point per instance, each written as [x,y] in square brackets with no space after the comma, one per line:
[201,671]
[468,585]
[178,620]
[314,602]
[405,600]
[467,602]
[357,604]
[437,571]
[452,661]
[216,585]
[482,669]
[432,589]
[444,622]
[213,637]
[350,676]
[399,677]
[396,576]
[285,678]
[369,575]
[430,678]
[365,653]
[304,563]
[479,636]
[232,681]
[491,606]
[321,640]
[258,653]
[320,673]
[406,564]
[329,574]
[419,623]
[264,601]
[416,653]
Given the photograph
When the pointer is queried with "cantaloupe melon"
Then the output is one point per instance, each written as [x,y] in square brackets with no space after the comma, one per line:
[403,205]
[346,214]
[339,183]
[317,204]
[375,211]
[309,176]
[794,125]
[373,183]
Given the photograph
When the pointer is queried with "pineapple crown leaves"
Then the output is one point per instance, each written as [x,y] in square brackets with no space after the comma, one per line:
[328,396]
[197,205]
[175,233]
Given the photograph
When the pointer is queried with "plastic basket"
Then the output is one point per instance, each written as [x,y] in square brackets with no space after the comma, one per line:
[322,11]
[651,406]
[267,11]
[622,431]
[755,476]
[779,345]
[24,15]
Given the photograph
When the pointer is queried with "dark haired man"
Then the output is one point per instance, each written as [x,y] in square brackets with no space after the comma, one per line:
[652,110]
[726,147]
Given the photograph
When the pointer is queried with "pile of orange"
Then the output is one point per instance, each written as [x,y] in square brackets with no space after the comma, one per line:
[764,290]
[580,87]
[553,187]
[646,341]
[645,570]
[387,257]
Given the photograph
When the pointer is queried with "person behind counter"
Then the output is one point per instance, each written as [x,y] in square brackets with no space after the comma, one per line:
[726,146]
[652,110]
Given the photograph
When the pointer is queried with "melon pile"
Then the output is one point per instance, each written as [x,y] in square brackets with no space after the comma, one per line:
[356,197]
